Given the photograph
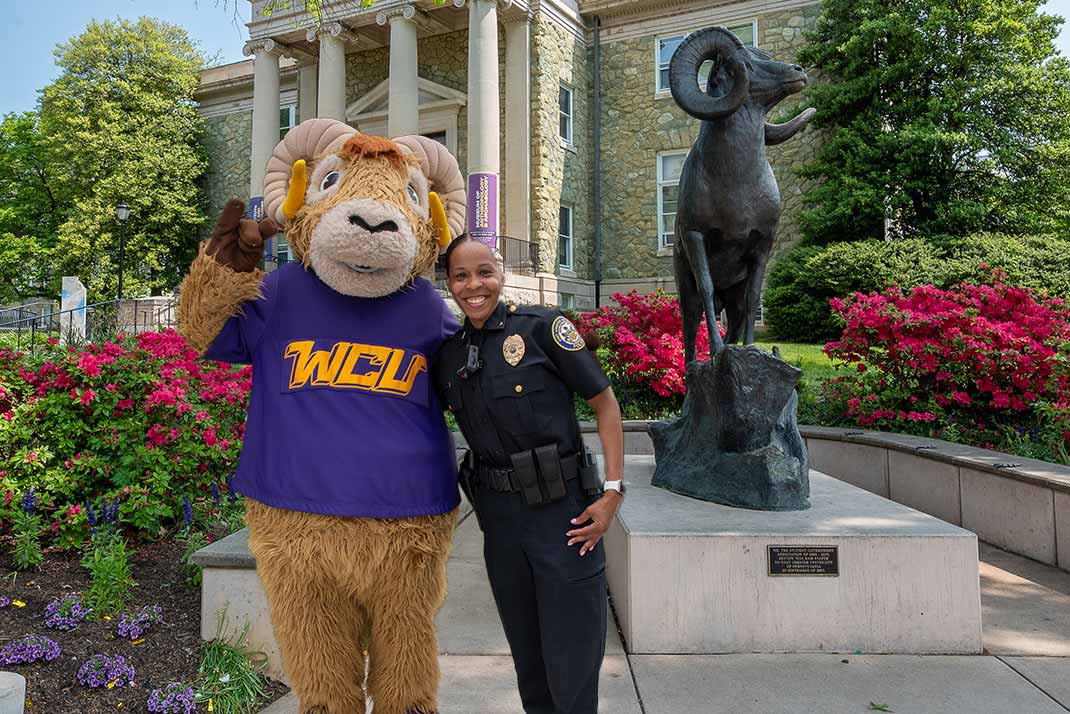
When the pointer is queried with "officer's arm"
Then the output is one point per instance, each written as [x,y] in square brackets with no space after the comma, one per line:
[610,432]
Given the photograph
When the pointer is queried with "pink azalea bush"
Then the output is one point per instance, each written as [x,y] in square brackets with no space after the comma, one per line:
[642,351]
[138,419]
[983,363]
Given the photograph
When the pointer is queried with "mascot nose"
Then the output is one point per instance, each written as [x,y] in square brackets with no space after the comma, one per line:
[384,226]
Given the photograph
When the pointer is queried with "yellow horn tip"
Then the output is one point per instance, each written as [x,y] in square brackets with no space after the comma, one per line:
[438,220]
[295,196]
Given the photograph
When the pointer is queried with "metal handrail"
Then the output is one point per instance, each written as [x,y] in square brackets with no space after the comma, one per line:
[27,305]
[54,318]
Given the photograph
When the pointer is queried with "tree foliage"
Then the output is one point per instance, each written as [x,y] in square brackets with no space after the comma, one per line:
[950,117]
[118,124]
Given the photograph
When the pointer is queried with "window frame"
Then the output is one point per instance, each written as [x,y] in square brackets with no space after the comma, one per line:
[570,115]
[293,119]
[661,181]
[659,39]
[571,235]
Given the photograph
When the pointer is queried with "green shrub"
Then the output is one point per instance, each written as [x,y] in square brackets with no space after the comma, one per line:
[137,420]
[793,309]
[801,283]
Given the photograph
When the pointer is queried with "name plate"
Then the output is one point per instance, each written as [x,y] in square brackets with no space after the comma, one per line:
[804,560]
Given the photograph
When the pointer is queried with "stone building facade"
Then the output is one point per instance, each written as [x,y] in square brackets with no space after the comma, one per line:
[643,134]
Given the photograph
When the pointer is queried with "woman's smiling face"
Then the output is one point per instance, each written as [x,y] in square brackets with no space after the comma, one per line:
[474,280]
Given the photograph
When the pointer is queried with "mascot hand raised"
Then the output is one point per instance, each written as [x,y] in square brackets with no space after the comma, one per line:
[238,242]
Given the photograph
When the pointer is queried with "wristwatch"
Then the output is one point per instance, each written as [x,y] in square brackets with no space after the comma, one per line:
[617,486]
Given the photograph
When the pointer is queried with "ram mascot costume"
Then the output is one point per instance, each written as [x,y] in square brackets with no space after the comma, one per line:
[347,466]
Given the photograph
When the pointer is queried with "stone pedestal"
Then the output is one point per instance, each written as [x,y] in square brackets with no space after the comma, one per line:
[691,577]
[737,440]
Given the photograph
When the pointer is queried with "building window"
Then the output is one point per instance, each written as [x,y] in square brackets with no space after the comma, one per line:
[564,237]
[665,46]
[567,301]
[287,119]
[669,167]
[439,136]
[565,105]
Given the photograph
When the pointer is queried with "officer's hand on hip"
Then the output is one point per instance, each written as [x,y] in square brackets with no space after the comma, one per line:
[601,514]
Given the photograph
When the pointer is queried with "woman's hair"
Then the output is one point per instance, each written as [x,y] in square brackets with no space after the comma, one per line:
[463,238]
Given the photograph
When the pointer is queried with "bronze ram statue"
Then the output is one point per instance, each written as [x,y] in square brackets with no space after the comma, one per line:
[729,203]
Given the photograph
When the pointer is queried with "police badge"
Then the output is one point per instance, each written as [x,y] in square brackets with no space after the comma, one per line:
[513,349]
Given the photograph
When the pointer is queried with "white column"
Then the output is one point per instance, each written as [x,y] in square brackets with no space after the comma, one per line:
[403,116]
[307,91]
[483,125]
[331,102]
[265,110]
[518,127]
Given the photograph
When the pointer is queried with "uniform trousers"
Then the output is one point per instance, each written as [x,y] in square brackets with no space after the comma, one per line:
[552,602]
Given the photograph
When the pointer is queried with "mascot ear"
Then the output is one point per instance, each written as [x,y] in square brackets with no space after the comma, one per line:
[438,220]
[295,196]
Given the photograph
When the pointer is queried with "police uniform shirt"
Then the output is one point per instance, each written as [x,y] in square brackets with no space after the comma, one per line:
[531,360]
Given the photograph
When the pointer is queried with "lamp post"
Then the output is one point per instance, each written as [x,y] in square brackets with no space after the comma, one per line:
[122,212]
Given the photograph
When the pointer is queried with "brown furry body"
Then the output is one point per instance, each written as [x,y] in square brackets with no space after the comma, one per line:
[334,584]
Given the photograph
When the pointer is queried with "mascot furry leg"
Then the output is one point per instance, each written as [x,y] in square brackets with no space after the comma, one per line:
[347,467]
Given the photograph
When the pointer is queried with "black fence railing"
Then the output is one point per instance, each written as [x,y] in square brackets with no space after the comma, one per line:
[103,321]
[519,256]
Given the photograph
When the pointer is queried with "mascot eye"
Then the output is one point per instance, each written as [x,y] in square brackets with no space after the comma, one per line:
[412,194]
[329,180]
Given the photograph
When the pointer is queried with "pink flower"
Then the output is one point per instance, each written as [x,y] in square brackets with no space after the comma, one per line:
[110,387]
[87,397]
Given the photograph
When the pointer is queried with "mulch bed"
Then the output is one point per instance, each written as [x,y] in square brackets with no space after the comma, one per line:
[170,652]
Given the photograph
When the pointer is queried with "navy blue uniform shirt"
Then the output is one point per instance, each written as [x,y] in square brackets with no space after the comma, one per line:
[532,361]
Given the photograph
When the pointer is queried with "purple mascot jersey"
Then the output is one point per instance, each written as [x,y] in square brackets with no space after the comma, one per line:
[342,417]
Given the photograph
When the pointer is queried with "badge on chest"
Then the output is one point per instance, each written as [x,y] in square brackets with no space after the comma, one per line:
[513,349]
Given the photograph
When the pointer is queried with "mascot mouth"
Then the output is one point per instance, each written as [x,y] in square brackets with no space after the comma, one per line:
[360,268]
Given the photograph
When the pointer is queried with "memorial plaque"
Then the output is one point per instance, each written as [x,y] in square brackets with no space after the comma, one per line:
[804,560]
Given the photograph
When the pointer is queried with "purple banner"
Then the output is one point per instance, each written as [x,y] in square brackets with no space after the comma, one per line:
[483,208]
[255,210]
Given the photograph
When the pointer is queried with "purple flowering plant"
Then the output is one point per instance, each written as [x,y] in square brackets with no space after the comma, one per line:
[132,625]
[175,698]
[5,601]
[30,648]
[66,612]
[103,670]
[27,533]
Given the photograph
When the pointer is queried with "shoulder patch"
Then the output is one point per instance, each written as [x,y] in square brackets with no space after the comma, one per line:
[566,335]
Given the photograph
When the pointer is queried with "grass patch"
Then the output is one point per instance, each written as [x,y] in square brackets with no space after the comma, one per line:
[811,359]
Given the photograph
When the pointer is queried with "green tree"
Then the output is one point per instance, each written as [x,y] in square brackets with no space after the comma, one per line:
[30,210]
[121,125]
[949,116]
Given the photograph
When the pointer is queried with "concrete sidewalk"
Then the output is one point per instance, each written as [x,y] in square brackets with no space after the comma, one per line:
[478,677]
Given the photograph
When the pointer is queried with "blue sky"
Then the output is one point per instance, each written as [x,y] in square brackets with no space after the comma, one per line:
[35,27]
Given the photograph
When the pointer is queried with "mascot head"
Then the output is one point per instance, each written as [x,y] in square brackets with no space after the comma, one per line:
[366,213]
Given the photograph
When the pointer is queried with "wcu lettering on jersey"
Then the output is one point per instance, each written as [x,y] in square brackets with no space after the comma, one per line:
[352,365]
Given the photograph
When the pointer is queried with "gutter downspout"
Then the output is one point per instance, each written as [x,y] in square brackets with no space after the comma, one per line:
[597,163]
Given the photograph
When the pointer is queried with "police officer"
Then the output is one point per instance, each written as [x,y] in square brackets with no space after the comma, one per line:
[509,375]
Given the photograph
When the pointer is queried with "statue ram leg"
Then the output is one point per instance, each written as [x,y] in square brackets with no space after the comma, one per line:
[690,302]
[755,278]
[694,245]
